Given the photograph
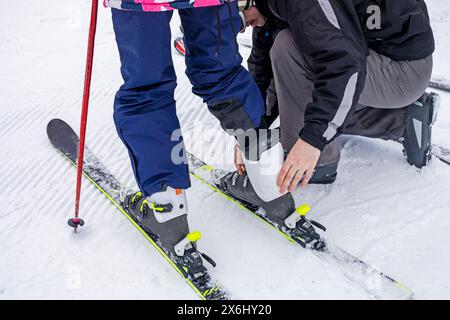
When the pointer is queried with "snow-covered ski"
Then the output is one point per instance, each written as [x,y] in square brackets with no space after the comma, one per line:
[65,140]
[441,153]
[440,82]
[374,282]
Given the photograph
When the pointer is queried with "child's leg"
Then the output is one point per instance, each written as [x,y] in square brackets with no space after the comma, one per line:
[214,66]
[144,108]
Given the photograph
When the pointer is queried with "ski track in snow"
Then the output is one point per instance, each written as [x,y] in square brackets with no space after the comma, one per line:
[380,209]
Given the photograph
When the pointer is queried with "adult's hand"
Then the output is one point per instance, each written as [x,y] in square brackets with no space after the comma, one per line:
[254,18]
[300,163]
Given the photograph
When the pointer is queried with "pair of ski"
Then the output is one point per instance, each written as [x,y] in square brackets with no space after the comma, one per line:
[375,283]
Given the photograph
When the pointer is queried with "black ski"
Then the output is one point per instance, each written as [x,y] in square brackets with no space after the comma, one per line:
[65,140]
[374,282]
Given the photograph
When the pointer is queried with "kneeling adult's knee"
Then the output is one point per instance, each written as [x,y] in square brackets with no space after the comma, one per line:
[282,45]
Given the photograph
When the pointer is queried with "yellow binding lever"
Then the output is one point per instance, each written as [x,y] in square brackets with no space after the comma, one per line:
[303,210]
[295,217]
[194,236]
[186,243]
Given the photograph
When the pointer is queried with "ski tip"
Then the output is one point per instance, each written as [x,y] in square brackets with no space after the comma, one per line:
[56,126]
[54,123]
[63,138]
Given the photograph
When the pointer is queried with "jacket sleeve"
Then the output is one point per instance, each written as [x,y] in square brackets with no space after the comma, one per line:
[259,63]
[333,42]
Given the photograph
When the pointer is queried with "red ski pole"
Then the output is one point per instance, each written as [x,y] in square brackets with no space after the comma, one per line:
[76,221]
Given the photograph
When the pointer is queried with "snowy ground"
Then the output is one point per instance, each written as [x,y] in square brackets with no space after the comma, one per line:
[380,209]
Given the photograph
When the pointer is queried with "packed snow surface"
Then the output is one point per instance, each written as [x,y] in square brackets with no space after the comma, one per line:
[380,209]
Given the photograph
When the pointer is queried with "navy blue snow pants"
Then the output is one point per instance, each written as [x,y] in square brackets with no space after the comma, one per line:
[144,108]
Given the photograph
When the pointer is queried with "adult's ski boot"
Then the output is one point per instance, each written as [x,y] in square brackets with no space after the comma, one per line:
[420,119]
[164,215]
[325,174]
[283,211]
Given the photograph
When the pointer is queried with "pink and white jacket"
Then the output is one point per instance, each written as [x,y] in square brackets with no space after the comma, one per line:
[161,5]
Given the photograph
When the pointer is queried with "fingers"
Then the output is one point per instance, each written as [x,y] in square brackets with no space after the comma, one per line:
[291,175]
[283,172]
[307,178]
[238,167]
[292,179]
[295,182]
[300,163]
[287,180]
[238,161]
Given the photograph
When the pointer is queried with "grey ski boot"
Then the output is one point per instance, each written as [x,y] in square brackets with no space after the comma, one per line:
[164,215]
[420,119]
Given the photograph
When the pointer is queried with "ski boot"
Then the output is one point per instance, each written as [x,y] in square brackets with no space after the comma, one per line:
[263,157]
[324,174]
[420,119]
[164,216]
[282,212]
